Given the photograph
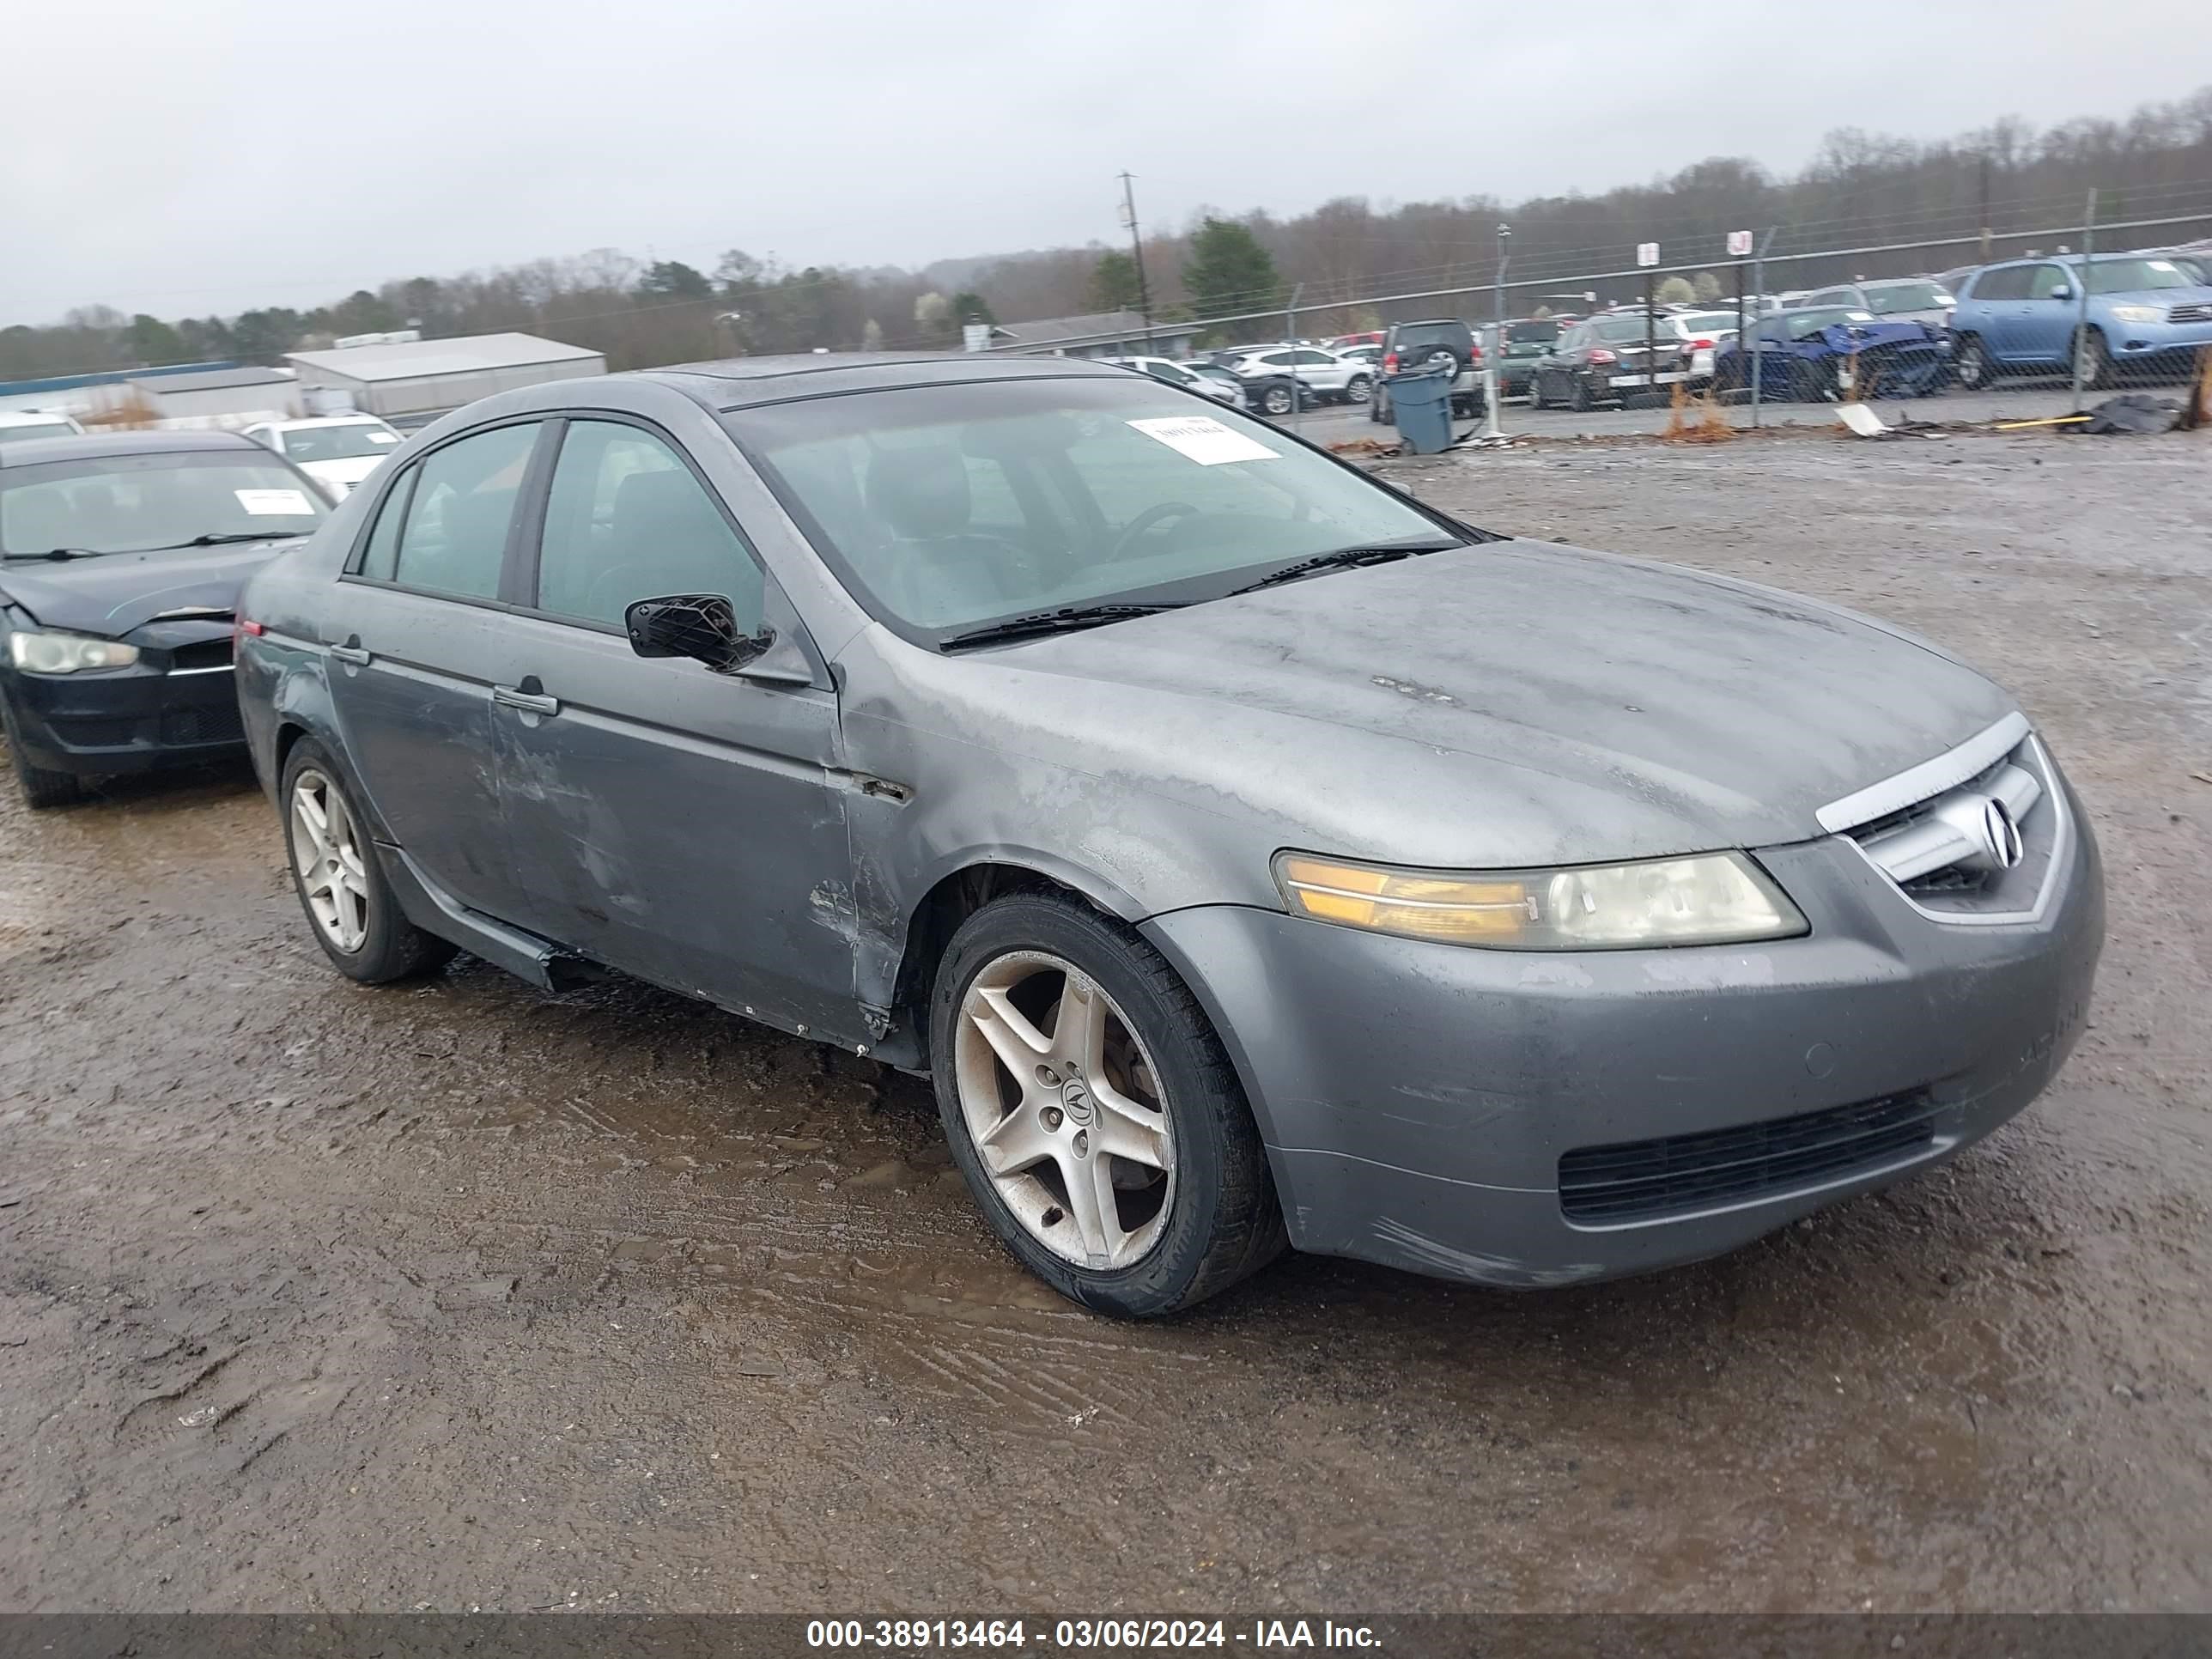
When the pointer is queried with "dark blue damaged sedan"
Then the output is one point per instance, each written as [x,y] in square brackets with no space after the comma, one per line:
[1249,854]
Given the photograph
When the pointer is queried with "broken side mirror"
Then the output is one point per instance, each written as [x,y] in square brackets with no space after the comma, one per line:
[700,626]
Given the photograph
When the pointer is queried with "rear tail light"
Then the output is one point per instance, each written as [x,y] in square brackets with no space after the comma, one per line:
[1703,345]
[242,628]
[1603,356]
[1390,362]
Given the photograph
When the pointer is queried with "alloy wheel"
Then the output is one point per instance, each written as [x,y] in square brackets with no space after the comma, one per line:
[1066,1108]
[327,852]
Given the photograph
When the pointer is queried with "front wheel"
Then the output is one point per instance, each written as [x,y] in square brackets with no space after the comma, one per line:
[2093,360]
[1093,1112]
[355,916]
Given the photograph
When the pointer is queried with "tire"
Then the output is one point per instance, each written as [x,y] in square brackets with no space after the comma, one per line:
[1276,400]
[1535,392]
[43,788]
[1207,1220]
[1375,409]
[1972,363]
[1579,395]
[384,945]
[1359,389]
[2093,358]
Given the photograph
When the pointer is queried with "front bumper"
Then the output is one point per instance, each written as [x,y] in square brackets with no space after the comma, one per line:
[131,720]
[1416,1099]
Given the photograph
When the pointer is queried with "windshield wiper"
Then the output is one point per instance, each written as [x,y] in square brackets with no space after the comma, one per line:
[1343,558]
[217,538]
[56,553]
[1053,622]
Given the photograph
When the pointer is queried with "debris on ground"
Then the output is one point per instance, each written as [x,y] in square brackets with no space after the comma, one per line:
[2132,412]
[1487,440]
[1364,447]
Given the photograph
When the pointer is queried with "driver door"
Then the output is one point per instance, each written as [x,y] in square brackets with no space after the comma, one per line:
[678,823]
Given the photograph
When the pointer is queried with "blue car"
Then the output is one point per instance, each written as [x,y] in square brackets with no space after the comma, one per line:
[1811,355]
[2146,313]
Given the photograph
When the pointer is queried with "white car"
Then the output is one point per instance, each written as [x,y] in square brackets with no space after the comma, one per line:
[1186,375]
[1330,376]
[19,423]
[337,451]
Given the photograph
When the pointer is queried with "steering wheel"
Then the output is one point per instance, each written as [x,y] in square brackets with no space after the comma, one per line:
[1148,520]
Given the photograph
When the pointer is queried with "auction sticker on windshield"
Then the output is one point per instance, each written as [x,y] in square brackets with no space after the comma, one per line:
[1205,439]
[277,503]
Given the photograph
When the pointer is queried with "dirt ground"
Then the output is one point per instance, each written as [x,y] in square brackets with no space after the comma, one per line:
[462,1296]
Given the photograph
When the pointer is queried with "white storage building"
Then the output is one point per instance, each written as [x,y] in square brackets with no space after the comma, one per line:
[217,397]
[417,377]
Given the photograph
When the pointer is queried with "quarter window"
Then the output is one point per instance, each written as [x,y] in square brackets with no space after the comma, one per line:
[627,519]
[455,538]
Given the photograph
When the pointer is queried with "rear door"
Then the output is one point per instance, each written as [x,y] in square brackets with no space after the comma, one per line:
[410,652]
[676,822]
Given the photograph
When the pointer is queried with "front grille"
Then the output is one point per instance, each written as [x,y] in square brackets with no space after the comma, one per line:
[215,723]
[2199,312]
[1681,1175]
[1942,850]
[201,653]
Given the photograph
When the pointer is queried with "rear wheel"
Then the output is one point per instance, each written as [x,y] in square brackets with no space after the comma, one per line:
[1276,400]
[1975,369]
[1579,395]
[350,907]
[42,787]
[1358,389]
[1093,1112]
[1535,390]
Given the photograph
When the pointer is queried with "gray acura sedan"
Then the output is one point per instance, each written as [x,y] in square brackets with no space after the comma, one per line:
[1248,853]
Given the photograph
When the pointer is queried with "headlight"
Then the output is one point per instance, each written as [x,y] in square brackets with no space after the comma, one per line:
[1716,898]
[2138,315]
[67,653]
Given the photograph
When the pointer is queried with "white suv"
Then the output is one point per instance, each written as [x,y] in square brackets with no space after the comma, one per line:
[16,423]
[1334,378]
[337,451]
[1175,374]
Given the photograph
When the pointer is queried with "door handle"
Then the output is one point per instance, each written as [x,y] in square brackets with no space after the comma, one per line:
[357,655]
[531,702]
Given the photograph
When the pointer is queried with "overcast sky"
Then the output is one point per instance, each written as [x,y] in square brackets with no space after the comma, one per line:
[205,156]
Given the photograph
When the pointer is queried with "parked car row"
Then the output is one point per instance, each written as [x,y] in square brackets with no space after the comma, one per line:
[1017,723]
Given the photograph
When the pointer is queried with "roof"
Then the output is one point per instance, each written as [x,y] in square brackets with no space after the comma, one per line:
[312,420]
[105,377]
[1054,331]
[213,379]
[415,360]
[95,445]
[741,381]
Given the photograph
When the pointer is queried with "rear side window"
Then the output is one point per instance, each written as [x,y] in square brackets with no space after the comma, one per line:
[626,520]
[455,536]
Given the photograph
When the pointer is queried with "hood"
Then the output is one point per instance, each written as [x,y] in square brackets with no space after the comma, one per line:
[1859,337]
[345,474]
[1514,702]
[117,592]
[2156,297]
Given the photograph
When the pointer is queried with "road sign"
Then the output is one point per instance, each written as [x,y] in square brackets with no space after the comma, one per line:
[1647,254]
[1738,244]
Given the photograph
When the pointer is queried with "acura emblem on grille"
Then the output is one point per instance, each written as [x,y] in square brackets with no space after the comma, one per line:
[2001,834]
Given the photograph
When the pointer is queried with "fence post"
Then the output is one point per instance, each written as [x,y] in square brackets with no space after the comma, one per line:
[2082,295]
[1758,317]
[1290,334]
[1492,387]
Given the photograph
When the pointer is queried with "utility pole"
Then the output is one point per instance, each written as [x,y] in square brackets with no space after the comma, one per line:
[1985,207]
[1137,254]
[1492,387]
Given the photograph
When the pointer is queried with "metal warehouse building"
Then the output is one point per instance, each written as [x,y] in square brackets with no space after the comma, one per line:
[417,376]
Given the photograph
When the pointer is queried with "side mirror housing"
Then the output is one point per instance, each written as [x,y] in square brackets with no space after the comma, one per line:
[700,626]
[2064,291]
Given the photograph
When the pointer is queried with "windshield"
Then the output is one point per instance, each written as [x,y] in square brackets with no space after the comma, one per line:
[945,506]
[136,503]
[1630,328]
[1805,324]
[1884,298]
[2134,276]
[11,430]
[339,443]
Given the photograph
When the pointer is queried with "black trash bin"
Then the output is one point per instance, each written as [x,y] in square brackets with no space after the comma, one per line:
[1420,407]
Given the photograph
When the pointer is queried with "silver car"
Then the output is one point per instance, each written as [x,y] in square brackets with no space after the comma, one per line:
[1248,852]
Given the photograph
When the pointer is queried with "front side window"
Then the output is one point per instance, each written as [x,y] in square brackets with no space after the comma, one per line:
[148,503]
[942,508]
[454,540]
[1168,372]
[2047,282]
[626,520]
